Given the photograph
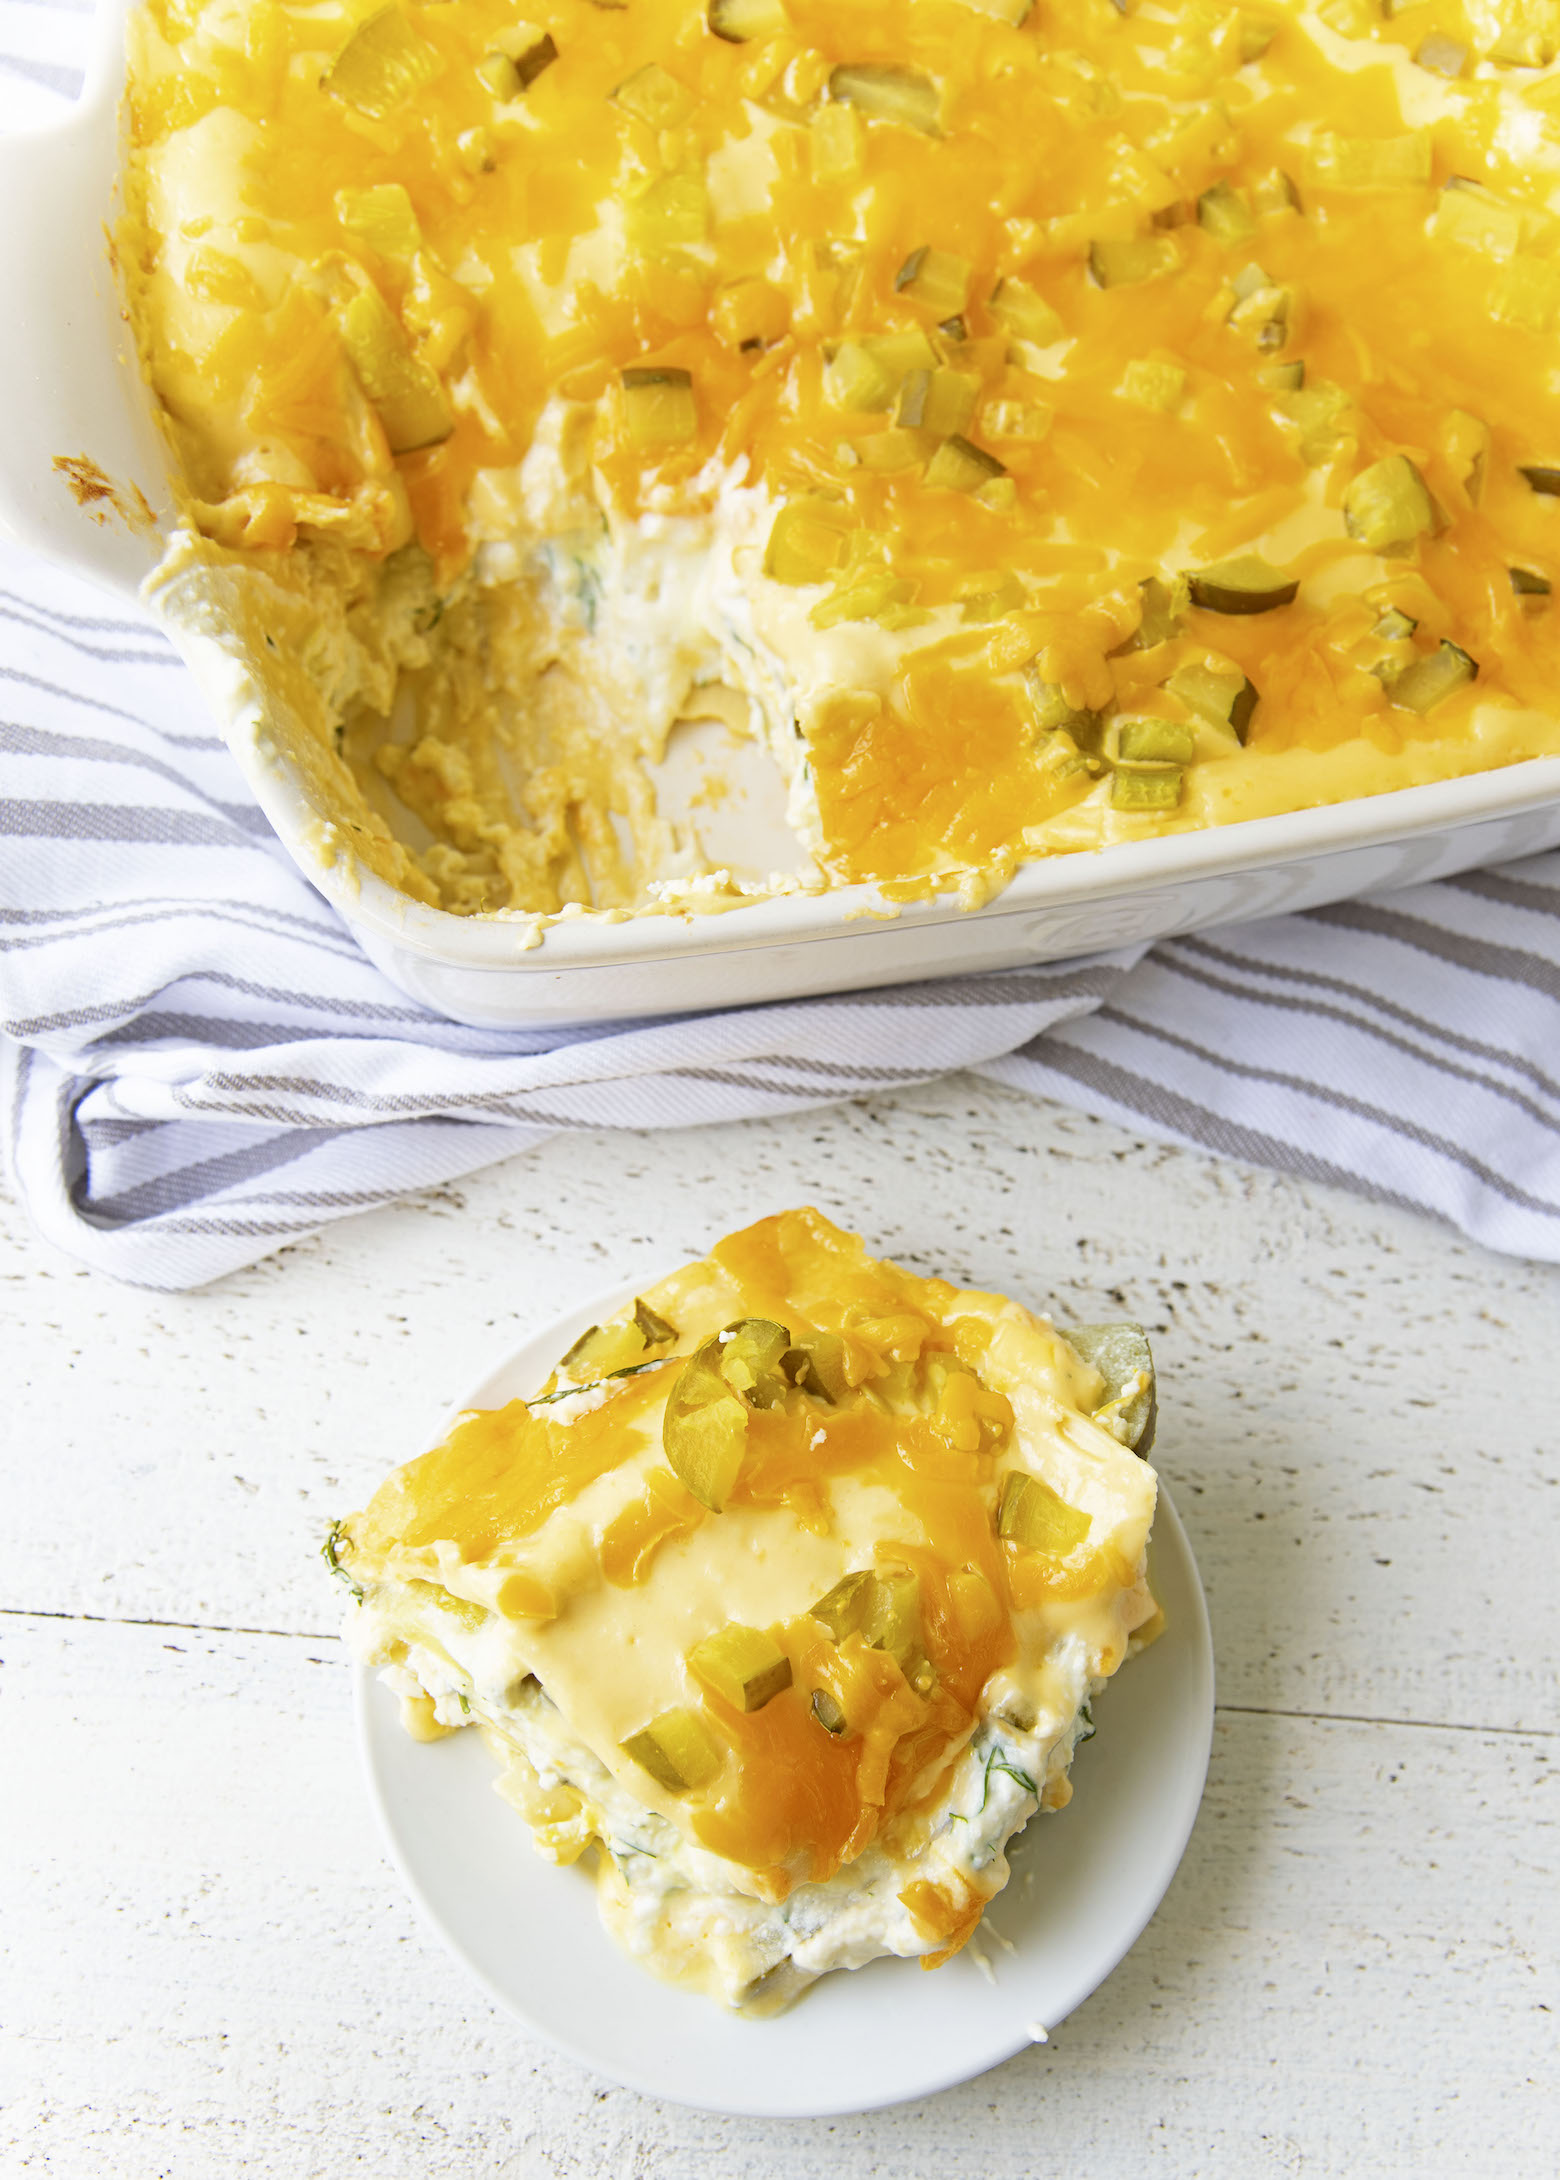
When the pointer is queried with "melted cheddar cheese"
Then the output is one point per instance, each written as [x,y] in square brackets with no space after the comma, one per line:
[1056,423]
[805,1710]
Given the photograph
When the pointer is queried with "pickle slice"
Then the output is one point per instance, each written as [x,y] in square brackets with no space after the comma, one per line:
[1031,1514]
[1153,742]
[653,95]
[1121,264]
[1528,583]
[381,65]
[704,1429]
[1026,314]
[1225,699]
[677,1749]
[411,402]
[603,1349]
[935,278]
[1388,505]
[742,1664]
[741,21]
[1164,610]
[883,1607]
[1430,680]
[1224,213]
[884,92]
[750,1355]
[828,1713]
[1246,584]
[960,466]
[658,405]
[1544,477]
[1160,790]
[816,1364]
[1122,1356]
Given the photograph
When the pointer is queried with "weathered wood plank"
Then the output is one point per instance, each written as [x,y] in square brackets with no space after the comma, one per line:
[1359,1410]
[210,1970]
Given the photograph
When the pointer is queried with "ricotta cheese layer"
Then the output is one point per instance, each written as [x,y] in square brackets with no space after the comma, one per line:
[787,1594]
[1027,424]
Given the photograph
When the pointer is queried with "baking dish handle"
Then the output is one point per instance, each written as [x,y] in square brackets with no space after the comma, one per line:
[79,455]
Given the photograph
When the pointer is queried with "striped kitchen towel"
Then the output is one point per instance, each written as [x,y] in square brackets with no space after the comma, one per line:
[197,1063]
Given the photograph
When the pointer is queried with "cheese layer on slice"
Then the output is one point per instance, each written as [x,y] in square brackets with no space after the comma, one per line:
[788,1591]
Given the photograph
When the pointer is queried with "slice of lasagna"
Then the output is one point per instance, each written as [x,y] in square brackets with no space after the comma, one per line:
[788,1593]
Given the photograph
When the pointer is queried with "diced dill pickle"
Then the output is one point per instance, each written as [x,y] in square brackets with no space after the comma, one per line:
[936,279]
[741,21]
[412,404]
[882,1606]
[1466,441]
[1122,264]
[856,379]
[955,329]
[1441,56]
[1245,584]
[1320,415]
[750,1353]
[1020,310]
[888,453]
[1050,710]
[807,541]
[841,1608]
[959,466]
[671,213]
[988,597]
[602,1349]
[1255,34]
[1371,162]
[1122,1356]
[1477,217]
[653,1328]
[1164,610]
[677,1749]
[1167,216]
[382,217]
[885,92]
[828,1713]
[816,1365]
[1273,192]
[1395,625]
[1283,378]
[1155,385]
[1528,583]
[1224,213]
[1544,477]
[1031,1514]
[1264,315]
[1430,680]
[937,401]
[1522,46]
[658,406]
[382,64]
[704,1429]
[1225,699]
[874,594]
[1159,790]
[1029,420]
[1153,742]
[1388,505]
[742,1664]
[653,95]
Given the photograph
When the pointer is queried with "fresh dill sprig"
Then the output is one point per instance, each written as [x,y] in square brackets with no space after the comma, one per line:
[330,1552]
[996,1762]
[630,1370]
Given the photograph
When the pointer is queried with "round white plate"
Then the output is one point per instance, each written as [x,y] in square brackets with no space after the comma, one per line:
[1085,1882]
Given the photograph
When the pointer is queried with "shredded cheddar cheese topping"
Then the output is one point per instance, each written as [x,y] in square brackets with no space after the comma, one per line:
[1099,420]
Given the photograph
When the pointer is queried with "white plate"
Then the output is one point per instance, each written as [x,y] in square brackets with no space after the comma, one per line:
[1085,1882]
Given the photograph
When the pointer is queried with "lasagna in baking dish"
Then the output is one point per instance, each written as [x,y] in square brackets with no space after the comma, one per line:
[787,1594]
[1024,424]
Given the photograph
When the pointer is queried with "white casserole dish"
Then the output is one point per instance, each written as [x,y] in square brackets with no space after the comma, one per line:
[72,387]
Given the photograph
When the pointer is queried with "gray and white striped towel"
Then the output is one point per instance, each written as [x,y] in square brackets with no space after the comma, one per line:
[196,1062]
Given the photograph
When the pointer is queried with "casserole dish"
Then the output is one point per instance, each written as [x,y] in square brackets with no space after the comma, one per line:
[82,476]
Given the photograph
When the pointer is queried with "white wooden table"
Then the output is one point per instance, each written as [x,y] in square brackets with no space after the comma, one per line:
[209,1968]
